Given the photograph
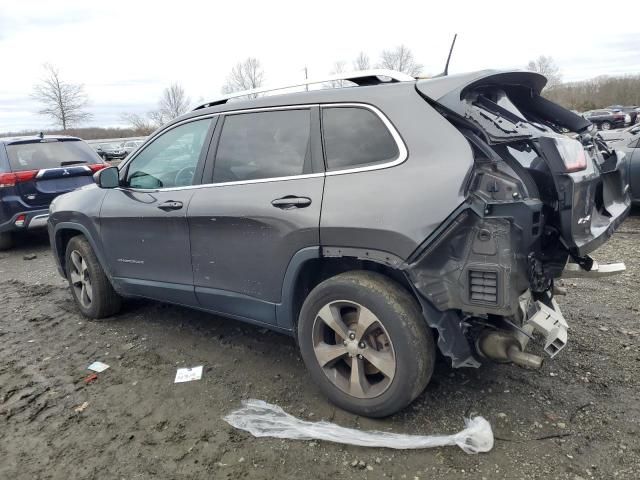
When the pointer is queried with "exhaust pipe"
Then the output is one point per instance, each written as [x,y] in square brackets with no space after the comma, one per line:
[501,346]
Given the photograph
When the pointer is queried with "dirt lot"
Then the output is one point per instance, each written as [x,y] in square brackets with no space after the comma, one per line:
[579,417]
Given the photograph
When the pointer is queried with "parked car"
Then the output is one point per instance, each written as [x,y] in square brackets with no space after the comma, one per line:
[632,111]
[631,147]
[371,223]
[620,134]
[607,119]
[130,146]
[33,171]
[111,151]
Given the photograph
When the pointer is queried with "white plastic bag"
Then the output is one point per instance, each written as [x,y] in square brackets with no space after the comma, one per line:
[262,419]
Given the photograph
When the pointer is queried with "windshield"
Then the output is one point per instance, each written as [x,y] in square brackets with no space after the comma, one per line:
[39,155]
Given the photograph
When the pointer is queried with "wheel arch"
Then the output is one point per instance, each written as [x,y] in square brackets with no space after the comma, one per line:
[311,266]
[63,233]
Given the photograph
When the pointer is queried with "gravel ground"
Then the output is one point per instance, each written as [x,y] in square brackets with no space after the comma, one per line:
[578,417]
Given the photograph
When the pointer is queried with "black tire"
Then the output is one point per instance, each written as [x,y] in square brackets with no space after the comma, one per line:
[104,301]
[605,126]
[400,316]
[6,241]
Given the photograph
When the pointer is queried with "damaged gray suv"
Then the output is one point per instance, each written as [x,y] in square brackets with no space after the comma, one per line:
[376,223]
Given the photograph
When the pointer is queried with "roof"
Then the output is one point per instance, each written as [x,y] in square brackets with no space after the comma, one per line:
[35,138]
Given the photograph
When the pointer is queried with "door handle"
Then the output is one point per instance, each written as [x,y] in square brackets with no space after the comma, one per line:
[170,205]
[291,201]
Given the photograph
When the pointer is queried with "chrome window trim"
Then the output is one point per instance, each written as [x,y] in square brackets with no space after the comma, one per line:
[402,149]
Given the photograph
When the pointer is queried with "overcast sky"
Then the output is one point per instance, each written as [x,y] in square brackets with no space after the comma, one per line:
[126,52]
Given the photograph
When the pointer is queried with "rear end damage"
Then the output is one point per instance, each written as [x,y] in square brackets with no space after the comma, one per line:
[538,202]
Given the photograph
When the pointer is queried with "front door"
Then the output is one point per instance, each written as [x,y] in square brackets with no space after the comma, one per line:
[143,223]
[262,207]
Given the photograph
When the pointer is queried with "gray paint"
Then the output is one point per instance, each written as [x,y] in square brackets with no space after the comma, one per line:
[240,242]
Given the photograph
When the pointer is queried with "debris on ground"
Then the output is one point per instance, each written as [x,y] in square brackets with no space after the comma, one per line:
[262,419]
[81,408]
[90,378]
[30,256]
[98,367]
[188,374]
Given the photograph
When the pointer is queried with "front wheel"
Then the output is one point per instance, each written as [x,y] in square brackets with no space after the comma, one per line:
[90,287]
[605,126]
[365,343]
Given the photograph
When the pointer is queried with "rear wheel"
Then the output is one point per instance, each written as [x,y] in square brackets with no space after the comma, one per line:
[6,240]
[605,126]
[91,288]
[365,343]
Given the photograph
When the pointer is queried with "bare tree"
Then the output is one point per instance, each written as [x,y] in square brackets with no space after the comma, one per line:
[245,75]
[547,67]
[400,59]
[338,68]
[141,123]
[63,102]
[173,103]
[362,62]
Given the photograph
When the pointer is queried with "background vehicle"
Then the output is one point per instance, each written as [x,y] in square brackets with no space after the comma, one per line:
[130,146]
[631,147]
[35,170]
[632,111]
[111,151]
[607,119]
[620,134]
[270,211]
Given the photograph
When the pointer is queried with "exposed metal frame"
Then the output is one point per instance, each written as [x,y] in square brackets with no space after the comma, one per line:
[402,148]
[360,78]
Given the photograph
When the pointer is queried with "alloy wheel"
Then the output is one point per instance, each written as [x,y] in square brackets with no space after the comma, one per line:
[354,349]
[80,279]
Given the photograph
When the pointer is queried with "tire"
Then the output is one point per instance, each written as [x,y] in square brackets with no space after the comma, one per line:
[380,322]
[605,126]
[6,241]
[91,289]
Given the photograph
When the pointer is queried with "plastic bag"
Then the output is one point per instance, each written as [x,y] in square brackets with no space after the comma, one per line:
[262,419]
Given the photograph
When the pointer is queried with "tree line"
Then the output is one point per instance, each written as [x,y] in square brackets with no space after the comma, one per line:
[66,103]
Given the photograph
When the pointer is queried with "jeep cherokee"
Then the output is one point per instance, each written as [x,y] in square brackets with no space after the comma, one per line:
[371,223]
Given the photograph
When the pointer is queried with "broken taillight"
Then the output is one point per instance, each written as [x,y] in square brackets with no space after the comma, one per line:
[572,154]
[13,178]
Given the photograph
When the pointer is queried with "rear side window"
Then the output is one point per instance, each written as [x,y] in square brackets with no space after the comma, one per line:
[50,154]
[263,145]
[355,137]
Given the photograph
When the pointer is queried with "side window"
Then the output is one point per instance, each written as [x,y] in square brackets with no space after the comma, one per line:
[263,145]
[171,159]
[355,137]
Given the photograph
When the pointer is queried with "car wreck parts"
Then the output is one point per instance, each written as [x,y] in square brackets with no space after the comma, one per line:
[486,277]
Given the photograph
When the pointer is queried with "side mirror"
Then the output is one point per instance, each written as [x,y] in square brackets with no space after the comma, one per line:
[107,177]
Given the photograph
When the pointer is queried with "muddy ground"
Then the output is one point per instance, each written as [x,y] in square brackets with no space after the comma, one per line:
[578,417]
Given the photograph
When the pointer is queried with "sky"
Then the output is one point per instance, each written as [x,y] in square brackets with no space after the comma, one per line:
[126,52]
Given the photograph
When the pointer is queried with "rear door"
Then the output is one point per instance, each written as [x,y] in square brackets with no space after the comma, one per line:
[50,167]
[263,206]
[143,223]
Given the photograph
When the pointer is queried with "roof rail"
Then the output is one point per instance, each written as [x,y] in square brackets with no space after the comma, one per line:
[360,78]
